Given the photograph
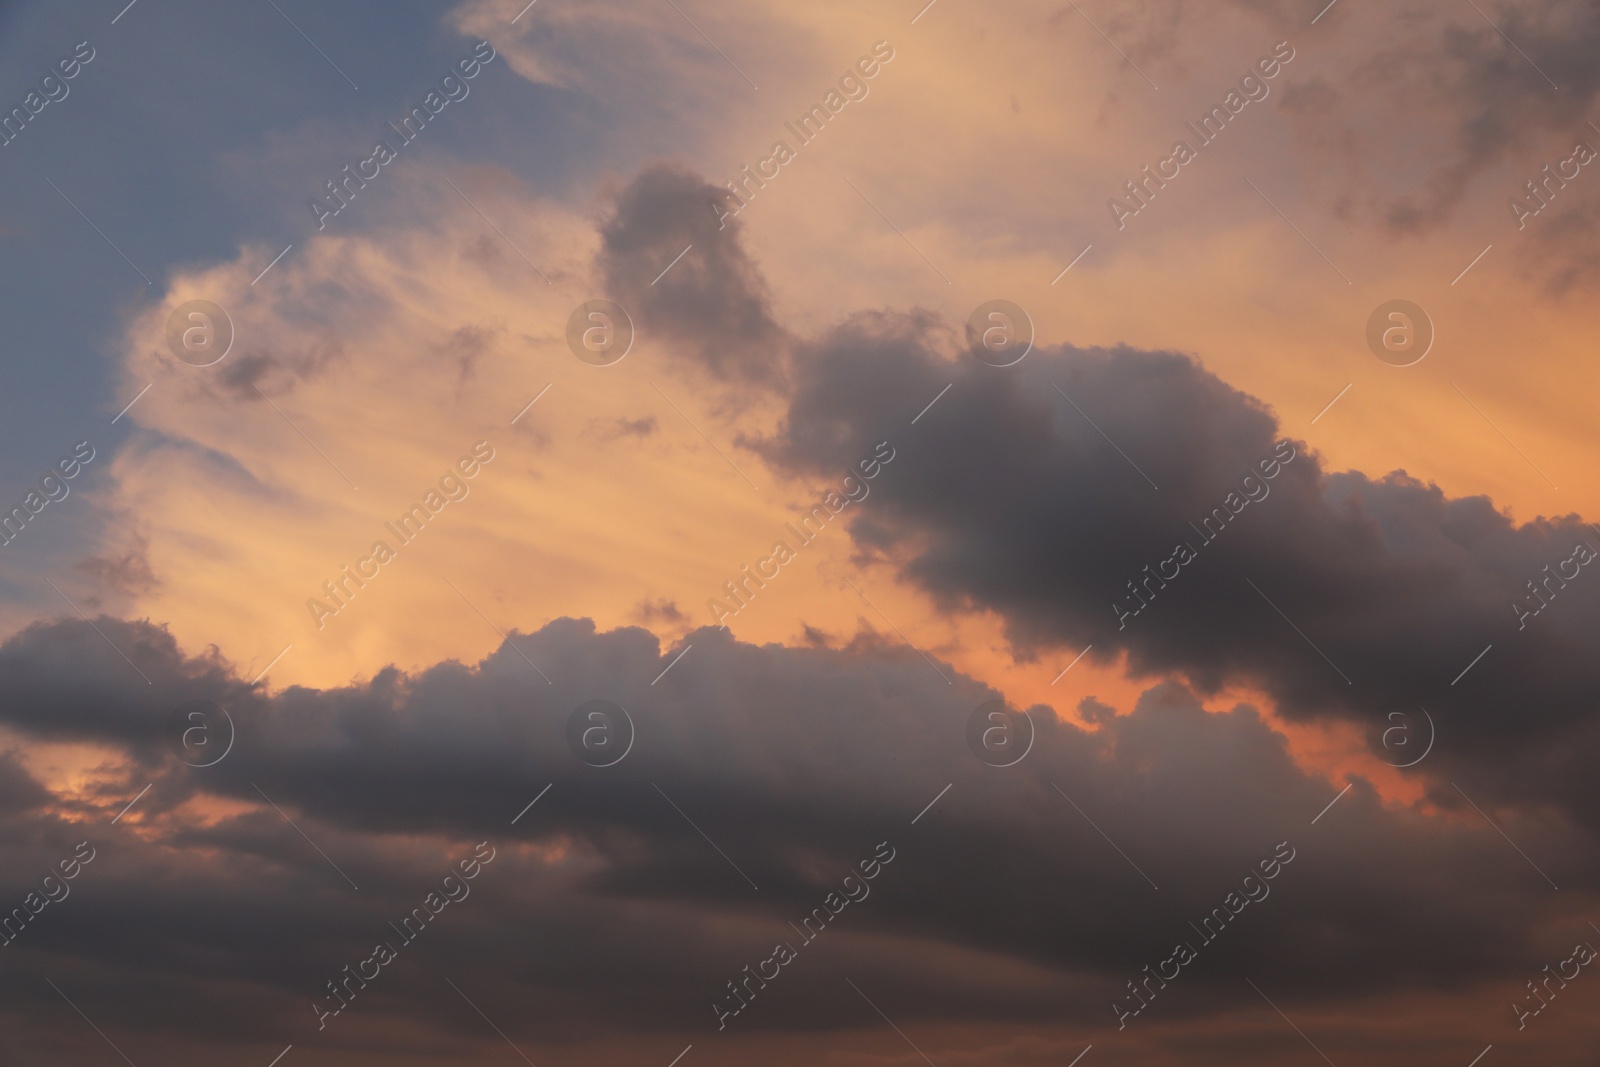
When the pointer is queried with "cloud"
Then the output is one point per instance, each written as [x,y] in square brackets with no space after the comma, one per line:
[1479,86]
[1032,492]
[124,570]
[1502,98]
[1002,901]
[465,348]
[1567,264]
[660,610]
[20,793]
[623,428]
[685,276]
[1481,103]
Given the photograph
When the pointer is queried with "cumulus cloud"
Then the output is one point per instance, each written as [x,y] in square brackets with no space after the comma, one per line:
[607,911]
[1043,492]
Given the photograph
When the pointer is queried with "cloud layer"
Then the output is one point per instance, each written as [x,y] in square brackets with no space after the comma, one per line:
[1006,901]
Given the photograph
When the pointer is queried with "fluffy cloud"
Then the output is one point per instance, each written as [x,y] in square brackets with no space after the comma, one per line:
[1032,492]
[793,761]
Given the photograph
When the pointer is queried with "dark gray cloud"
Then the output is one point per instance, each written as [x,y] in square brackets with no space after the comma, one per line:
[206,914]
[711,306]
[1009,496]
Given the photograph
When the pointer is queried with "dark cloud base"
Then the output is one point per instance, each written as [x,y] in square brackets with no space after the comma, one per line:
[207,921]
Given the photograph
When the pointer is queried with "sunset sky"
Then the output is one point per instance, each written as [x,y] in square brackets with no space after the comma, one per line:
[1042,533]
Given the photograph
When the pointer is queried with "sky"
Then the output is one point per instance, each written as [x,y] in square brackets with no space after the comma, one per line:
[522,519]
